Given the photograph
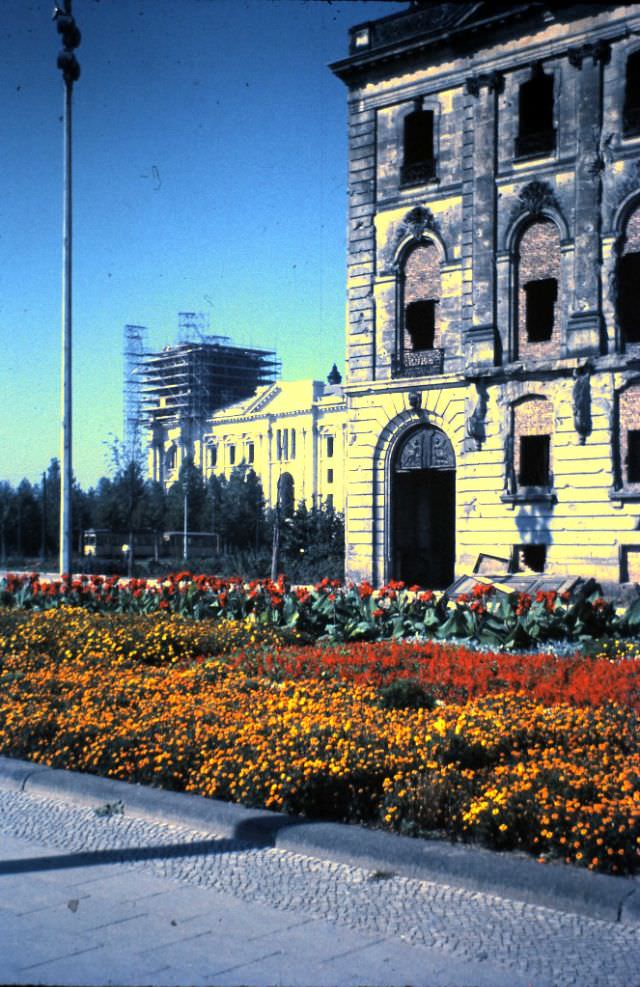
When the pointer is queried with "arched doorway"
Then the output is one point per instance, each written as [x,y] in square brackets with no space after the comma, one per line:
[423,509]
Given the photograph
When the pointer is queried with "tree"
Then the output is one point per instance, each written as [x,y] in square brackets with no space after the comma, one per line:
[188,492]
[241,515]
[6,517]
[313,544]
[28,520]
[129,490]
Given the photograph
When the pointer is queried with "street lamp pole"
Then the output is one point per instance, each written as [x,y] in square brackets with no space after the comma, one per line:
[68,64]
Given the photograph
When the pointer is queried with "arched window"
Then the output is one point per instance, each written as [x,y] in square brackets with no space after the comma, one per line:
[536,134]
[631,112]
[418,160]
[628,281]
[538,286]
[420,302]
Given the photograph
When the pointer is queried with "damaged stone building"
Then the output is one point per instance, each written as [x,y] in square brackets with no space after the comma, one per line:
[493,337]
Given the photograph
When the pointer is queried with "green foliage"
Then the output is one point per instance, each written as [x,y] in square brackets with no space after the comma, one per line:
[406,694]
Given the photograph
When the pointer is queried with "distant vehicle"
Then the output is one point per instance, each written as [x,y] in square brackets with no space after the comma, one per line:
[102,543]
[201,544]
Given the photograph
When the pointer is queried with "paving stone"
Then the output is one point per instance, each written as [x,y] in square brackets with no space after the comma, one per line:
[259,916]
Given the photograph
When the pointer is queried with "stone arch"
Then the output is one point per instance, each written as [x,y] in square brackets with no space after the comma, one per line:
[423,439]
[626,271]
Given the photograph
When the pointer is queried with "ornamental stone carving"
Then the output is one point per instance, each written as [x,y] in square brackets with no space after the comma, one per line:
[428,448]
[534,199]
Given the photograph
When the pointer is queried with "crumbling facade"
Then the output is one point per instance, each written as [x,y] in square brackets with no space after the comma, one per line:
[493,338]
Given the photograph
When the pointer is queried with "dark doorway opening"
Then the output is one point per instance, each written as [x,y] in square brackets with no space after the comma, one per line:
[424,527]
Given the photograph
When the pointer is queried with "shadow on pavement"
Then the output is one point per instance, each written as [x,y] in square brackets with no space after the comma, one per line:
[123,855]
[252,834]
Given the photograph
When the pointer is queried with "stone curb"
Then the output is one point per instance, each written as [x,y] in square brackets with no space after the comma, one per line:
[508,875]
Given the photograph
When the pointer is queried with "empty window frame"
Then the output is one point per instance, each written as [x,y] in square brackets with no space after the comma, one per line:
[539,297]
[536,134]
[633,455]
[540,309]
[534,461]
[631,111]
[213,456]
[628,296]
[418,162]
[420,323]
[420,298]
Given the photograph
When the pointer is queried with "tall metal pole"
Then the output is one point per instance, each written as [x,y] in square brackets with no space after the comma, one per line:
[70,68]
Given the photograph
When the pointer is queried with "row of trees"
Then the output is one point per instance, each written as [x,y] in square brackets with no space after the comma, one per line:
[125,502]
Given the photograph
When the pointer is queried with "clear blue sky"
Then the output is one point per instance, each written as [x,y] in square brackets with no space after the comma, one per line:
[210,159]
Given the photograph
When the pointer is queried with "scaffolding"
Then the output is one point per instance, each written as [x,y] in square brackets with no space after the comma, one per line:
[135,346]
[187,382]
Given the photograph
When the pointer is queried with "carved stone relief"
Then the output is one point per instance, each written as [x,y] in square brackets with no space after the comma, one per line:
[428,448]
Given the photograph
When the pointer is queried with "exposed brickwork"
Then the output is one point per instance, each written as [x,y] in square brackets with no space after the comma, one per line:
[632,233]
[629,415]
[539,258]
[533,416]
[422,274]
[422,283]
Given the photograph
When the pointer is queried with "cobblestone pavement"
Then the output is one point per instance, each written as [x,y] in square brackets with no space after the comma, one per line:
[416,931]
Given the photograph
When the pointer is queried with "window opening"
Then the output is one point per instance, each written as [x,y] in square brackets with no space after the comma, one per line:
[541,297]
[293,443]
[420,321]
[631,112]
[232,455]
[532,557]
[330,475]
[329,502]
[213,456]
[628,297]
[536,134]
[534,460]
[251,452]
[329,446]
[633,456]
[418,162]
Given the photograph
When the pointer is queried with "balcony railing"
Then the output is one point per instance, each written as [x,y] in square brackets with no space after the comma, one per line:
[418,172]
[531,145]
[418,363]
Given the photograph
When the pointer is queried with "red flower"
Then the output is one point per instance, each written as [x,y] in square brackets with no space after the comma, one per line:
[365,590]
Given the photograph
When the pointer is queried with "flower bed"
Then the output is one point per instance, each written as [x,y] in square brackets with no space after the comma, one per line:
[416,739]
[335,612]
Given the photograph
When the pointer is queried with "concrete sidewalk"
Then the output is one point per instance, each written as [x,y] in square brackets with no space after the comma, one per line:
[166,888]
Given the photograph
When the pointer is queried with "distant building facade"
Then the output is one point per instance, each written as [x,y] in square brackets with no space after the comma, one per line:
[493,338]
[294,429]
